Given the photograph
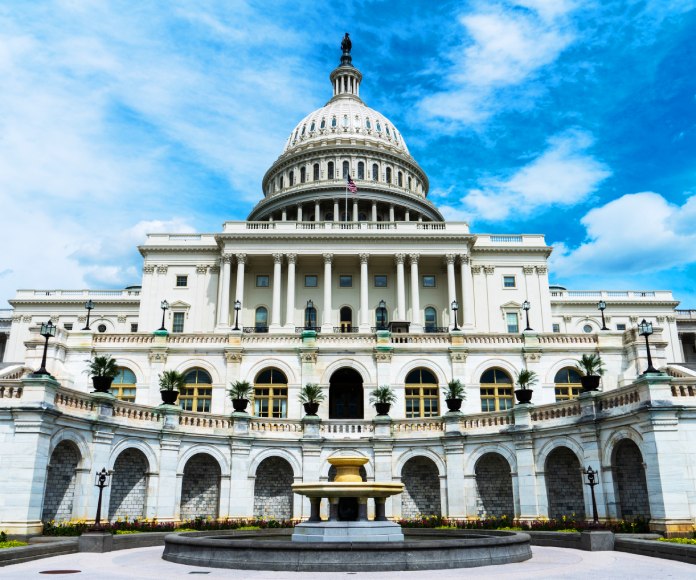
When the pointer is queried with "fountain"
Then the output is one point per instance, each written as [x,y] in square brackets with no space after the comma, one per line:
[347,541]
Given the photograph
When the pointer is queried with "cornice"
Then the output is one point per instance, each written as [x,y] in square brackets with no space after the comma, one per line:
[178,247]
[76,300]
[341,235]
[555,301]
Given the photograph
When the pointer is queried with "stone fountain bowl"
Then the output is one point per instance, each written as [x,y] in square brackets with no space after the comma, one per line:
[348,489]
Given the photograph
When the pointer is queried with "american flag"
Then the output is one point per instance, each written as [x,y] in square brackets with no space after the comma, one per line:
[351,185]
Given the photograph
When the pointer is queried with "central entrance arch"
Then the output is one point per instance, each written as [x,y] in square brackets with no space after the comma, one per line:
[346,395]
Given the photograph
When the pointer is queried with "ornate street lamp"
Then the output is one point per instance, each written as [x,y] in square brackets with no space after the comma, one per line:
[164,306]
[645,329]
[48,329]
[101,480]
[601,305]
[455,307]
[237,308]
[592,480]
[381,315]
[526,306]
[89,305]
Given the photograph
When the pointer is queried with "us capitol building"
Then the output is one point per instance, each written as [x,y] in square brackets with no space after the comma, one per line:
[351,290]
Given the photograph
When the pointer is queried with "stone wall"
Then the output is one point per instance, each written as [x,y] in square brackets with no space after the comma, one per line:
[494,486]
[200,488]
[421,496]
[564,484]
[629,479]
[272,489]
[128,486]
[60,482]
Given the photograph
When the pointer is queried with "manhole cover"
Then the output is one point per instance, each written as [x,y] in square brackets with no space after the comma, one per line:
[61,572]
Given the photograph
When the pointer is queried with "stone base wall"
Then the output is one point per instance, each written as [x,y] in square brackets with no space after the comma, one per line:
[200,488]
[128,486]
[494,486]
[60,483]
[564,484]
[273,495]
[421,496]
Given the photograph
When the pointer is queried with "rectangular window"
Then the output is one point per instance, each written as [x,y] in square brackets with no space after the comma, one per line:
[620,327]
[380,281]
[345,281]
[421,402]
[68,325]
[195,399]
[428,281]
[271,402]
[263,281]
[509,282]
[311,281]
[181,281]
[495,398]
[134,327]
[512,322]
[178,322]
[556,327]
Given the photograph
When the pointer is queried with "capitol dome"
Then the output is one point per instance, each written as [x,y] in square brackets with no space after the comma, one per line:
[345,140]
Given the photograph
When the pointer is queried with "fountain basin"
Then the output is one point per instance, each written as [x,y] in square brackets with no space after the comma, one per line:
[362,489]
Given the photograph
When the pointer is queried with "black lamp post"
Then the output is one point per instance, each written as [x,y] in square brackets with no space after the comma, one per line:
[164,306]
[601,305]
[101,481]
[381,315]
[455,307]
[237,308]
[48,329]
[592,480]
[645,329]
[89,305]
[526,306]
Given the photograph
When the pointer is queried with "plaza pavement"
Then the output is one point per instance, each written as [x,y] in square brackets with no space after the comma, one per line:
[547,564]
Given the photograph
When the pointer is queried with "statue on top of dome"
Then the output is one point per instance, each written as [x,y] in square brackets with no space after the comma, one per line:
[346,44]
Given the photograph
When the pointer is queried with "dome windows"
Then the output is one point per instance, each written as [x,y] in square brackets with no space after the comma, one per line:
[400,179]
[387,128]
[291,178]
[303,174]
[375,172]
[323,124]
[315,174]
[379,127]
[346,169]
[304,127]
[361,170]
[333,122]
[330,170]
[345,122]
[313,127]
[368,124]
[389,175]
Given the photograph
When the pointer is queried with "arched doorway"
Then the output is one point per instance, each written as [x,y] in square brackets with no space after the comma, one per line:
[494,486]
[421,496]
[273,489]
[61,481]
[629,481]
[346,395]
[564,484]
[200,488]
[129,486]
[346,319]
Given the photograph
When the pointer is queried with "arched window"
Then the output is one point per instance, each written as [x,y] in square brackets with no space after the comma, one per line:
[291,178]
[310,316]
[123,385]
[409,183]
[333,121]
[400,178]
[346,319]
[315,170]
[313,127]
[330,170]
[361,170]
[345,121]
[389,175]
[271,394]
[323,124]
[381,316]
[197,393]
[303,174]
[261,319]
[387,129]
[430,319]
[567,384]
[281,182]
[421,394]
[496,390]
[368,124]
[379,127]
[375,172]
[304,127]
[346,169]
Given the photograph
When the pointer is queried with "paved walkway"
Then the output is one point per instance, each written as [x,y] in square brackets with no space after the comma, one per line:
[547,563]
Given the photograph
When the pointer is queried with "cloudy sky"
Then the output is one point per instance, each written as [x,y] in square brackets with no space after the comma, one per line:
[572,118]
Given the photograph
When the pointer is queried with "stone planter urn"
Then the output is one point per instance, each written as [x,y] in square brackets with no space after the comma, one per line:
[382,408]
[102,384]
[523,395]
[169,397]
[240,405]
[590,383]
[453,404]
[311,408]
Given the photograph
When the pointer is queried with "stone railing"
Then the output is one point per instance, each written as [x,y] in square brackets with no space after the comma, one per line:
[291,340]
[10,389]
[197,339]
[428,338]
[619,398]
[205,421]
[135,338]
[433,426]
[596,294]
[492,339]
[487,420]
[567,339]
[354,429]
[270,426]
[133,412]
[77,294]
[684,387]
[74,400]
[559,410]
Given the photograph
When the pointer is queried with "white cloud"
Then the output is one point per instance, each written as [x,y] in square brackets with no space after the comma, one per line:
[504,46]
[564,174]
[636,233]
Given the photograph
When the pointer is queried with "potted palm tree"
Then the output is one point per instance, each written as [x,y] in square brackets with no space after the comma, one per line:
[239,392]
[525,380]
[591,368]
[102,369]
[310,397]
[382,399]
[171,382]
[454,395]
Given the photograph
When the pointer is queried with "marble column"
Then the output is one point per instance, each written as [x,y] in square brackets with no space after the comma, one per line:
[299,213]
[239,294]
[224,309]
[326,318]
[467,291]
[290,292]
[275,306]
[407,216]
[400,287]
[364,282]
[416,318]
[336,212]
[317,211]
[391,213]
[374,211]
[284,215]
[355,210]
[451,286]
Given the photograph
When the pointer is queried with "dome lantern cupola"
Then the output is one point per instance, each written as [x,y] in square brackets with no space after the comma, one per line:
[346,78]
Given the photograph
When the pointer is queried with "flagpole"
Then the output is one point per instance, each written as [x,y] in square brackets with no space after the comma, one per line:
[347,197]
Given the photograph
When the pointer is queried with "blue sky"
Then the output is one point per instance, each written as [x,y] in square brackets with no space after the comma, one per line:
[576,119]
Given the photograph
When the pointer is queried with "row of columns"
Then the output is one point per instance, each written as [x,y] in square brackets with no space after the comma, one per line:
[327,325]
[338,204]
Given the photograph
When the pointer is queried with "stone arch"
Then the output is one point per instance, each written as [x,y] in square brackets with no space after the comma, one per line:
[421,496]
[553,444]
[500,363]
[200,488]
[615,438]
[199,363]
[273,497]
[425,363]
[140,445]
[428,453]
[77,440]
[214,452]
[563,474]
[294,462]
[561,364]
[360,368]
[629,481]
[61,481]
[505,452]
[132,366]
[288,371]
[129,485]
[494,486]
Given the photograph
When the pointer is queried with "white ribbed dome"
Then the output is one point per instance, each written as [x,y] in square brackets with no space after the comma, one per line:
[346,115]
